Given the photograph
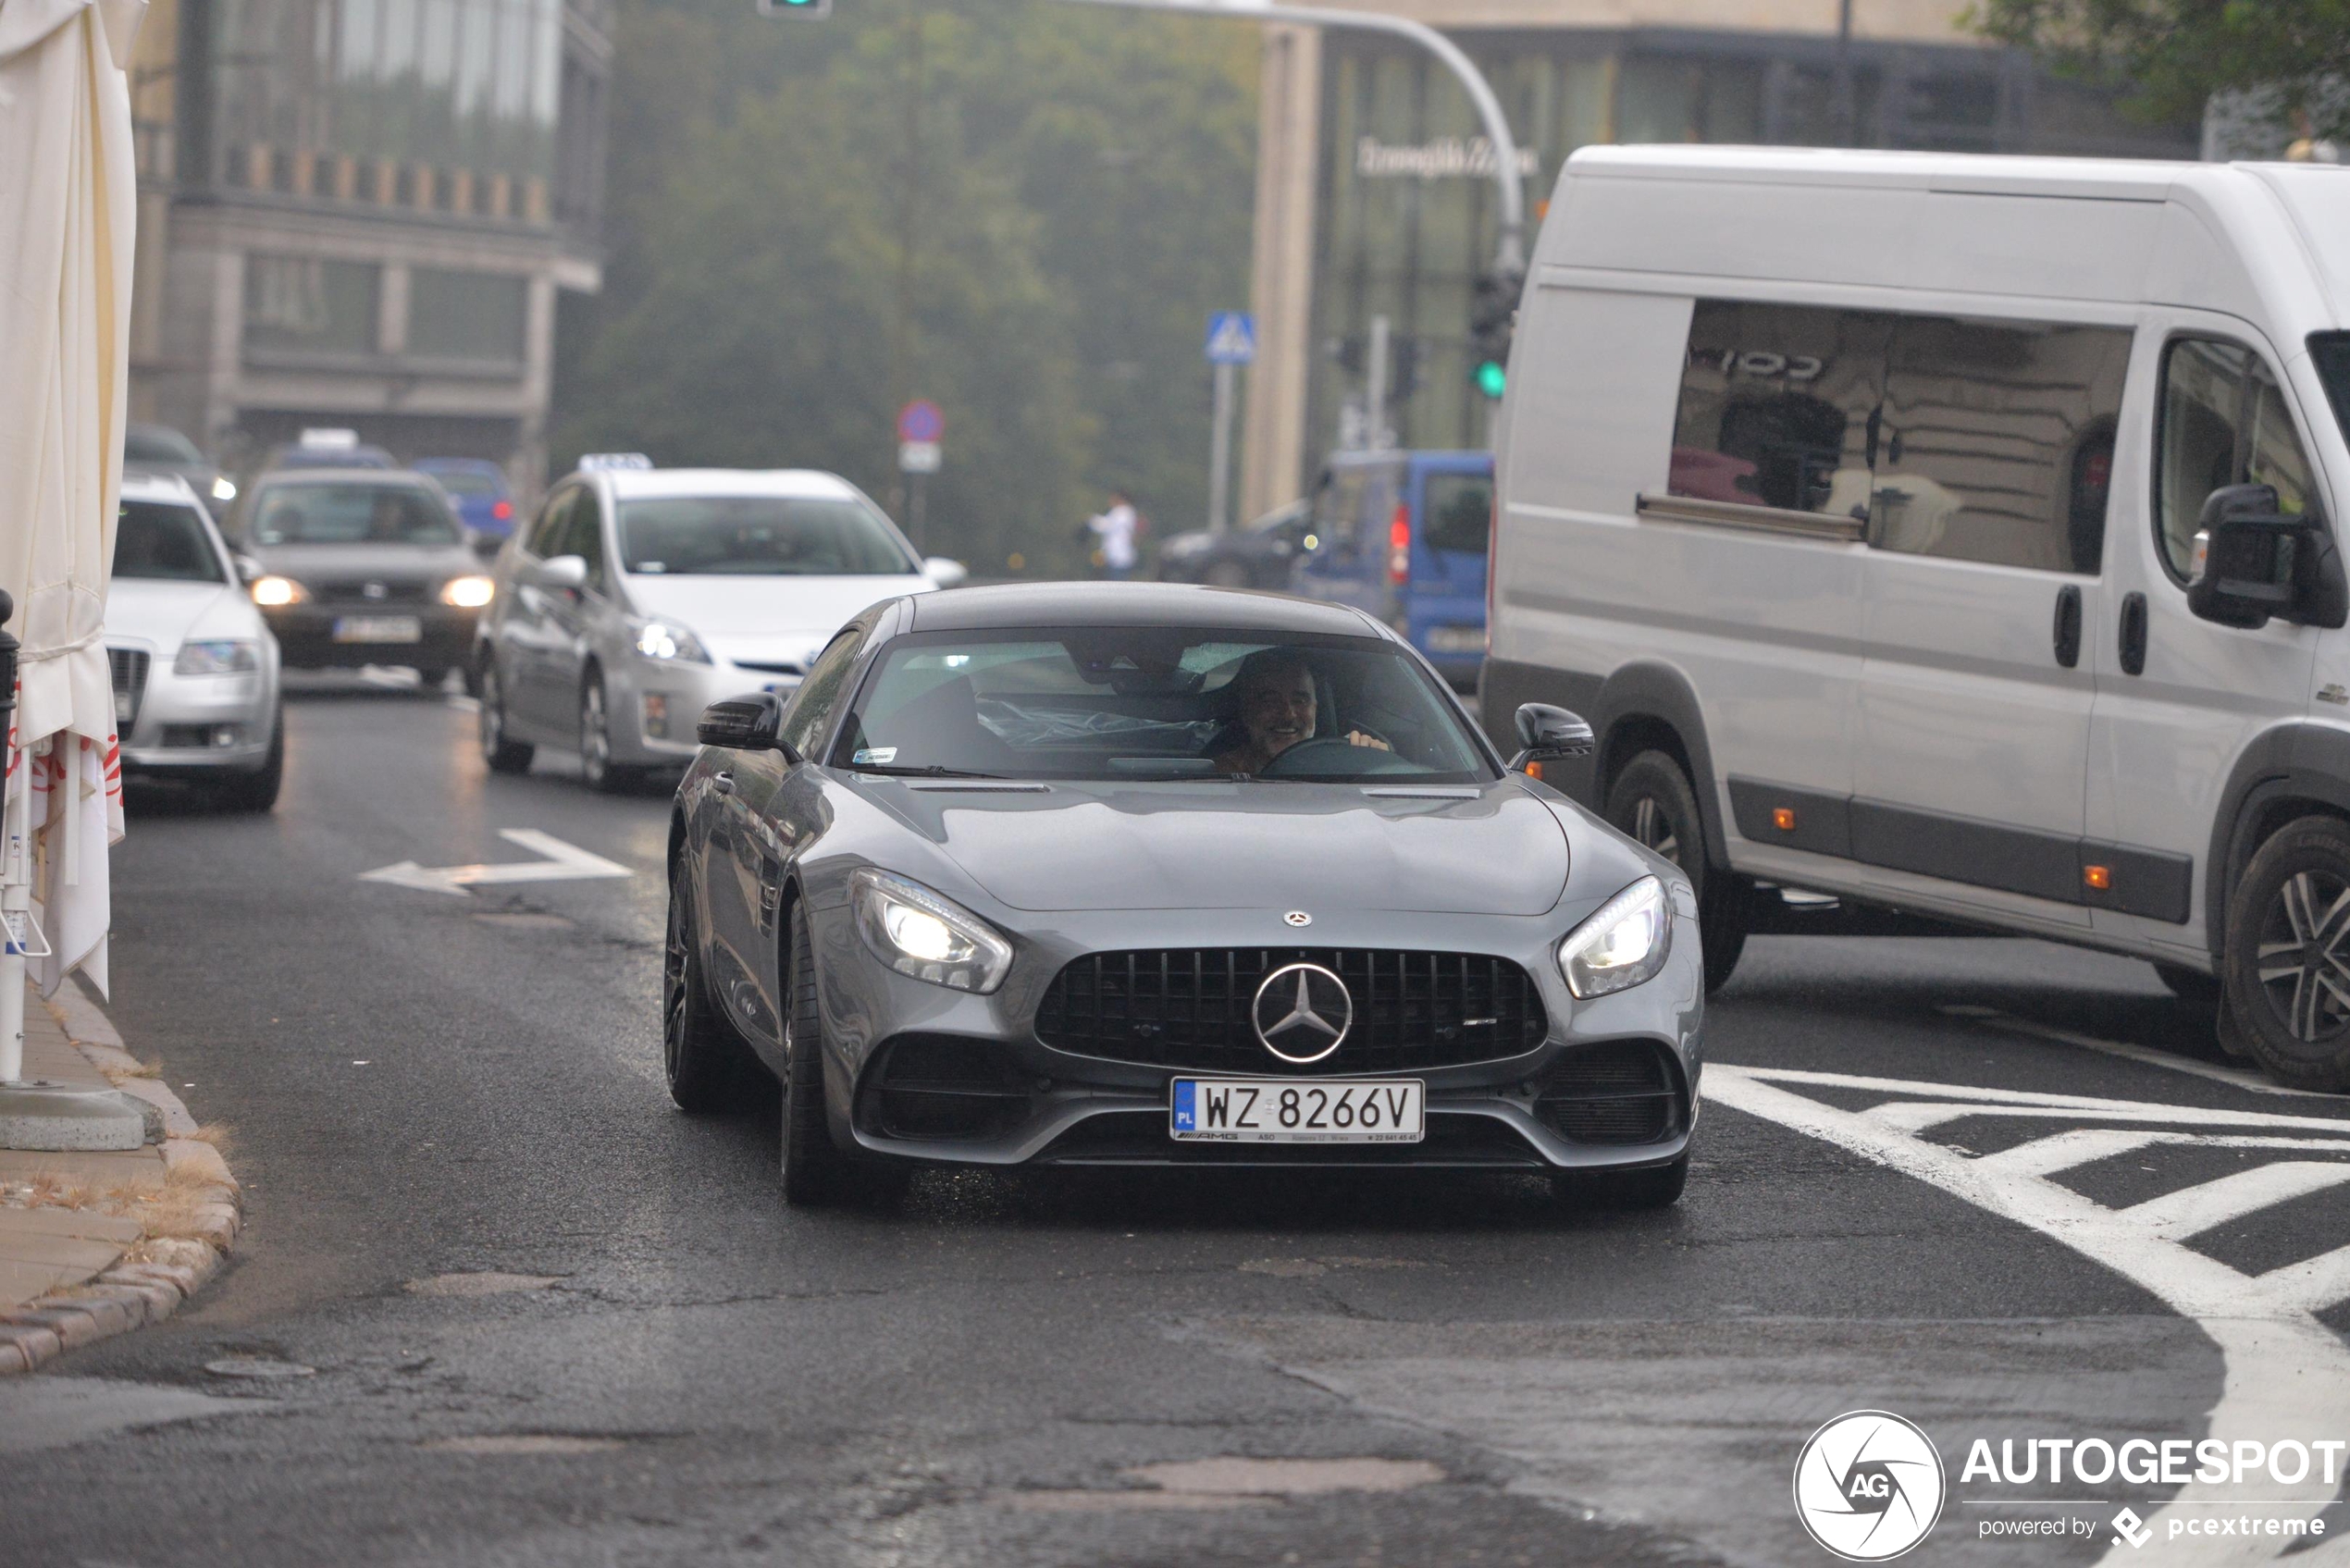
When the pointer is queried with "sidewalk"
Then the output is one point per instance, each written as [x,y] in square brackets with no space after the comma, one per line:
[96,1243]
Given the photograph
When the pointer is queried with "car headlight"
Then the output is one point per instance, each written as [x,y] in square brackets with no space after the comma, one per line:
[1625,941]
[225,656]
[667,640]
[224,488]
[918,933]
[276,591]
[469,593]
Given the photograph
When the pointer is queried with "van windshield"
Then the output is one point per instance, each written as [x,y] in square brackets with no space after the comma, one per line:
[1156,702]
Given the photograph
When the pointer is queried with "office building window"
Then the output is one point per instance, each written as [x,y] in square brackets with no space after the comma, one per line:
[465,315]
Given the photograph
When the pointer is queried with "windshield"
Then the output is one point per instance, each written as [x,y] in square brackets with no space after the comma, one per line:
[758,536]
[352,514]
[158,443]
[1157,703]
[165,542]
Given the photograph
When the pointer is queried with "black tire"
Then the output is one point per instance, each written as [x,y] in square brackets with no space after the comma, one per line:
[704,1062]
[1658,1187]
[2287,958]
[503,756]
[258,792]
[1653,802]
[815,1171]
[596,766]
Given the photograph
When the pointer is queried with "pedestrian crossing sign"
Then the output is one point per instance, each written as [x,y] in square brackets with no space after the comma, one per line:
[1232,337]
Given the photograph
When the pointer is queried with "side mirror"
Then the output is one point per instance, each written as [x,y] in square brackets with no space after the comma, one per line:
[1545,734]
[946,574]
[567,572]
[745,724]
[2253,561]
[250,571]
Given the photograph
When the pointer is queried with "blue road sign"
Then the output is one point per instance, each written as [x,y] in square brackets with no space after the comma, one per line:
[1232,337]
[920,421]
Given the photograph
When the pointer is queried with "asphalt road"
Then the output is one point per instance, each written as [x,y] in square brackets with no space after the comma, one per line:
[423,1084]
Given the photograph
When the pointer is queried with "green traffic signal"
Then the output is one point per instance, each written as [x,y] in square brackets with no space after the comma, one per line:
[1493,378]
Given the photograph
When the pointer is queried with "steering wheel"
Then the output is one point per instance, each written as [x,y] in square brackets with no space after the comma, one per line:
[1336,755]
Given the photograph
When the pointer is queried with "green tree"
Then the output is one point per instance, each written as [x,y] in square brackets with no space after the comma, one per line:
[2169,57]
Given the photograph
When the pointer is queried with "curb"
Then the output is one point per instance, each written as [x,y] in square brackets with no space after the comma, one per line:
[131,1295]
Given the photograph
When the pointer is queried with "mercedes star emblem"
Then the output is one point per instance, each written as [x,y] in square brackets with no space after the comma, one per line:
[1302,1012]
[1298,918]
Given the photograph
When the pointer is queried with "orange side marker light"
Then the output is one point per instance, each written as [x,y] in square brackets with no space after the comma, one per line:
[1782,818]
[2097,877]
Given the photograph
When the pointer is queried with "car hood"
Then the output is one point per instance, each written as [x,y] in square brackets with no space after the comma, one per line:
[167,614]
[390,564]
[805,610]
[1215,845]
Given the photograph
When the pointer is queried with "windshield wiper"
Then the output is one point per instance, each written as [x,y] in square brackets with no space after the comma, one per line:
[933,771]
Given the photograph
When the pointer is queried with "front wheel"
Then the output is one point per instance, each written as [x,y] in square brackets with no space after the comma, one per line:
[596,765]
[257,791]
[1653,802]
[2287,958]
[814,1169]
[702,1058]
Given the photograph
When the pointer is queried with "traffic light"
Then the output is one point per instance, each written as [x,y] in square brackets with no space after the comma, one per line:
[1492,314]
[811,9]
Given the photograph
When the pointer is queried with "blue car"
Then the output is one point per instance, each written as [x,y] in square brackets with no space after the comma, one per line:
[483,503]
[1404,534]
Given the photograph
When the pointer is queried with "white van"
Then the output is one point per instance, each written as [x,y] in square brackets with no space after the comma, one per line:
[1952,534]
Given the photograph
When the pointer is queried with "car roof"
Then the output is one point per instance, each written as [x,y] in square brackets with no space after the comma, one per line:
[1129,604]
[156,485]
[811,482]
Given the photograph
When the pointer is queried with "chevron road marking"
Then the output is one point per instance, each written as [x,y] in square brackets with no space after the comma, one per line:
[2288,1374]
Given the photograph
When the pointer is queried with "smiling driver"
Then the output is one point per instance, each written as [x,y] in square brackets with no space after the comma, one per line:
[1278,699]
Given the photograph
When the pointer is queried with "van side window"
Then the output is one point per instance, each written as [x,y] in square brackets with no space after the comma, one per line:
[1456,511]
[2224,422]
[1996,442]
[1779,406]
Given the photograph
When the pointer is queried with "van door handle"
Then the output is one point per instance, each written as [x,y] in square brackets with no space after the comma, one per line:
[2133,633]
[2068,625]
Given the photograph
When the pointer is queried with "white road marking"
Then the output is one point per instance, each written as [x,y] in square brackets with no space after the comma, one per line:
[2238,1078]
[2177,1216]
[564,862]
[464,704]
[2288,1374]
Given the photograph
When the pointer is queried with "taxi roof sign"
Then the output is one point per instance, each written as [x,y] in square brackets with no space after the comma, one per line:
[595,461]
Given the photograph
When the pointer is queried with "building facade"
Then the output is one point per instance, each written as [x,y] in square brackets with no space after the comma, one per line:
[1376,192]
[358,213]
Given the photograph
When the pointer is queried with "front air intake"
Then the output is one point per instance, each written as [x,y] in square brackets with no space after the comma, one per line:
[1615,1092]
[943,1086]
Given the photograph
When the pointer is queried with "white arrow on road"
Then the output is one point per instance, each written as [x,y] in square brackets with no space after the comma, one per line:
[564,862]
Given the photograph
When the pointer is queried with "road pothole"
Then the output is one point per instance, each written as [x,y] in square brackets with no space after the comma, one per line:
[485,1282]
[1233,1482]
[524,1443]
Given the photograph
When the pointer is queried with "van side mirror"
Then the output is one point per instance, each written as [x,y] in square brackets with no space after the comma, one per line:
[1546,733]
[745,724]
[2253,561]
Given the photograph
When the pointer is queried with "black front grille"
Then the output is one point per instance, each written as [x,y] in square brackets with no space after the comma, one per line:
[355,591]
[1190,1008]
[943,1086]
[129,669]
[1615,1092]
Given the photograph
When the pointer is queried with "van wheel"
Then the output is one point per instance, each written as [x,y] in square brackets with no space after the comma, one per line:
[1653,802]
[2287,960]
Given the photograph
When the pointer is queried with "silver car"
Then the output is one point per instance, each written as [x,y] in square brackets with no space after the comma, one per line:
[637,597]
[1154,875]
[196,668]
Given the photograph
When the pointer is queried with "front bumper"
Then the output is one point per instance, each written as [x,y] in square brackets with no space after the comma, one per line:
[1049,1107]
[306,632]
[192,724]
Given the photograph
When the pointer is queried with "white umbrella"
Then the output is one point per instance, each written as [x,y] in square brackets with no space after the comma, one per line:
[68,203]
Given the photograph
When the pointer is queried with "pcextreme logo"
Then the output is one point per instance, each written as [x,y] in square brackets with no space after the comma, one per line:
[1869,1486]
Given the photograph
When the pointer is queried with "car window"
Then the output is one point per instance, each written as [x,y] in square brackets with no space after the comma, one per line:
[811,706]
[546,535]
[1779,406]
[158,443]
[2225,421]
[164,542]
[1156,703]
[1456,511]
[584,537]
[353,513]
[462,482]
[759,536]
[1996,442]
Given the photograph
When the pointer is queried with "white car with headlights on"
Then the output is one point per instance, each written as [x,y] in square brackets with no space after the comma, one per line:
[637,596]
[196,669]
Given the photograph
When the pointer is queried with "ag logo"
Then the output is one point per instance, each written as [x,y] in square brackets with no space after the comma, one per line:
[1868,1486]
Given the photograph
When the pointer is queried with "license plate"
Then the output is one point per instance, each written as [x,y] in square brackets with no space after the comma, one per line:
[1327,1110]
[378,628]
[1456,639]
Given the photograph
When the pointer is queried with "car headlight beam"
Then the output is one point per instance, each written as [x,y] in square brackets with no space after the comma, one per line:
[469,593]
[927,935]
[1625,941]
[665,641]
[217,655]
[273,590]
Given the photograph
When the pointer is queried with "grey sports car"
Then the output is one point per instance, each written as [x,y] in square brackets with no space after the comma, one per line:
[1155,874]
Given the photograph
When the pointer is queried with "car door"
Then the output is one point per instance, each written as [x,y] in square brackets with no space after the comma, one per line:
[768,813]
[524,630]
[574,616]
[2182,698]
[1983,574]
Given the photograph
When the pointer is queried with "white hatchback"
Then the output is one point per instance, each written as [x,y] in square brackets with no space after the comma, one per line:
[637,597]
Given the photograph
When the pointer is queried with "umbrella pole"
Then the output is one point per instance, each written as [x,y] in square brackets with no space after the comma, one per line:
[16,894]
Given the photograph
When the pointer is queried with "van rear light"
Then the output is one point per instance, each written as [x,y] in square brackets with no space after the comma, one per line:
[1399,546]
